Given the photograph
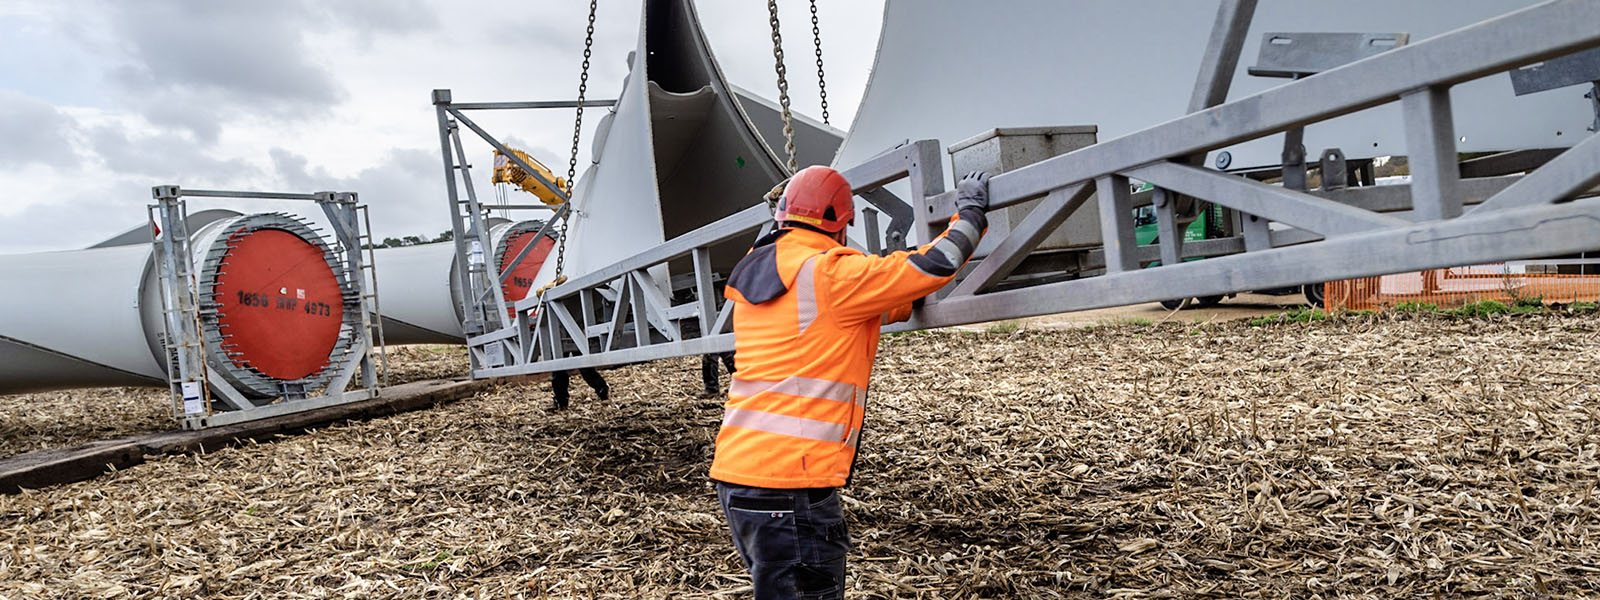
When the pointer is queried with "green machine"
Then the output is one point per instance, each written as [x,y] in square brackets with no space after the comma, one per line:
[1209,225]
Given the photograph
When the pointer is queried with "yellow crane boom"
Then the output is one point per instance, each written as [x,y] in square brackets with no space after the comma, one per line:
[508,171]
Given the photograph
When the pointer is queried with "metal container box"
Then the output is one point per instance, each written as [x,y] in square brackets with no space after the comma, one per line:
[1009,148]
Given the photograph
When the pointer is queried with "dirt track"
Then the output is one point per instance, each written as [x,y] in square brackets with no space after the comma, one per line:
[1370,457]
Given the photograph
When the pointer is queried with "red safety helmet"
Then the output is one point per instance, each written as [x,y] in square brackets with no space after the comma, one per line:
[819,197]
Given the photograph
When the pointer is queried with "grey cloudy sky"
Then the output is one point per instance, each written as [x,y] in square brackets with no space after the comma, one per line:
[100,100]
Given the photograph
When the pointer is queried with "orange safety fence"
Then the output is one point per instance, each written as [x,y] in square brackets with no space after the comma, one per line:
[1449,288]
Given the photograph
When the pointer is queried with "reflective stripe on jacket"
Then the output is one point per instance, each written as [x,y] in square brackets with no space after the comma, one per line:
[806,318]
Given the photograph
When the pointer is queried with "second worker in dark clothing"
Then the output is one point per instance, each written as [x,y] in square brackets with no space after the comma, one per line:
[561,382]
[708,371]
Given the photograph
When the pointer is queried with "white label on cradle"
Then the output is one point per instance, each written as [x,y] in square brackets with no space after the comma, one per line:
[193,403]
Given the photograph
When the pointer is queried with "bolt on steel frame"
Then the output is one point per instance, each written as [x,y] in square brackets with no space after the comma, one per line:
[627,313]
[197,389]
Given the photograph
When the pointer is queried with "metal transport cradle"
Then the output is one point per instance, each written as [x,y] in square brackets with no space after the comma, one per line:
[664,302]
[241,316]
[261,317]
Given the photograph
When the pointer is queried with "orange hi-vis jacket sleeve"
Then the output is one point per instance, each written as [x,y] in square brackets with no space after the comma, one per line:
[806,318]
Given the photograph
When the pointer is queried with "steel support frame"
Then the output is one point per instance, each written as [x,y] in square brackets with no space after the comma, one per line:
[196,389]
[1326,238]
[1490,47]
[484,309]
[545,331]
[1419,76]
[642,323]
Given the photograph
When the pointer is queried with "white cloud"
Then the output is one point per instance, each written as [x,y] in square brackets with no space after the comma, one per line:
[298,95]
[33,132]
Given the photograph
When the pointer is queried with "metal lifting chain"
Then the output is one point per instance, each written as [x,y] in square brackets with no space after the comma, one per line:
[822,83]
[783,85]
[577,132]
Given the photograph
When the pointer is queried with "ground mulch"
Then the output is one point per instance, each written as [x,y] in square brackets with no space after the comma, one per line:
[60,419]
[1413,456]
[46,420]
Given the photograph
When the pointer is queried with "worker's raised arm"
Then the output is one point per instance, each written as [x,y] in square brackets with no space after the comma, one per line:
[860,286]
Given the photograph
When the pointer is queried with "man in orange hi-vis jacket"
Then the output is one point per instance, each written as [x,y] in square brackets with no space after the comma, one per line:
[807,312]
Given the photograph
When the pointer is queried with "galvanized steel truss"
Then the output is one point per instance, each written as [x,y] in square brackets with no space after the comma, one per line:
[484,309]
[626,313]
[201,396]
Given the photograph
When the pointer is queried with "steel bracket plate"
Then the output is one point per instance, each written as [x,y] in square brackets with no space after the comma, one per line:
[1572,69]
[1295,55]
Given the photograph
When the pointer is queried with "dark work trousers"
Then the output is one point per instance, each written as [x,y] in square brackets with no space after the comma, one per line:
[793,542]
[708,370]
[560,382]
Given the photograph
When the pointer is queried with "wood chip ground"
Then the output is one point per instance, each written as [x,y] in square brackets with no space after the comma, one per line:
[32,422]
[1372,457]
